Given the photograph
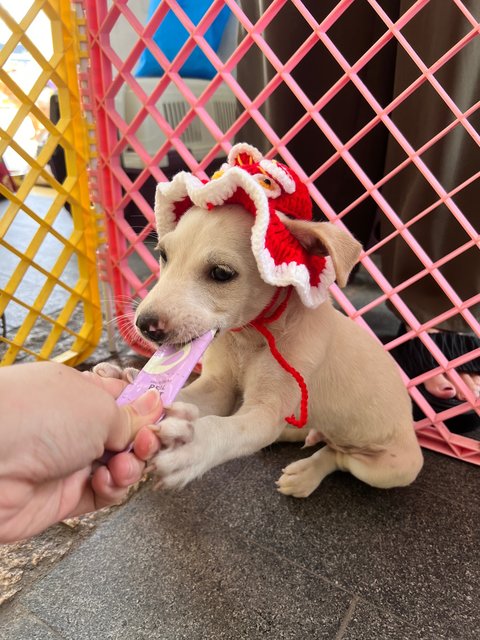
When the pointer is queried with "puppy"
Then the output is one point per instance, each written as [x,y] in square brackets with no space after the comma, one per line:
[279,336]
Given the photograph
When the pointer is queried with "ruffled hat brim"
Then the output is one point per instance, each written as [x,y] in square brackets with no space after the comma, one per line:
[282,260]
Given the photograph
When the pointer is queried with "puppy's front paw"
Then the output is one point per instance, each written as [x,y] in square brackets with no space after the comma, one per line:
[176,428]
[107,370]
[180,458]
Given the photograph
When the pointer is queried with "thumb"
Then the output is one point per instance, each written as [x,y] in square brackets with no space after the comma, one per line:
[130,418]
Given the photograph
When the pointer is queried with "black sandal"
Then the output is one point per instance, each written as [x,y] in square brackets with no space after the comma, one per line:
[415,359]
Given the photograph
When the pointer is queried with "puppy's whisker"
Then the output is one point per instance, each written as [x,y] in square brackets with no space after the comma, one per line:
[125,318]
[121,299]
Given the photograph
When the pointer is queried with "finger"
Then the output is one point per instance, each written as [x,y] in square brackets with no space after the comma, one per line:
[146,444]
[146,409]
[79,497]
[105,492]
[113,386]
[126,469]
[97,492]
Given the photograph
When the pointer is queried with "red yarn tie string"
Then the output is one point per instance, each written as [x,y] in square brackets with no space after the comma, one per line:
[259,324]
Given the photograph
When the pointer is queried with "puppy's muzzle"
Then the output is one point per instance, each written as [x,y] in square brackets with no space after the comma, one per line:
[152,328]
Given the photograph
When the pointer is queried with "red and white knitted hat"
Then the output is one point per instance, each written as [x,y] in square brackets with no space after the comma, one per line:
[267,189]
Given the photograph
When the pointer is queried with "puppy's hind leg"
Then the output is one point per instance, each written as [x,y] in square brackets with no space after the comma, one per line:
[394,467]
[302,477]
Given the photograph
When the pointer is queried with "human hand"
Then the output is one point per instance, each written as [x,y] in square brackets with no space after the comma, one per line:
[56,422]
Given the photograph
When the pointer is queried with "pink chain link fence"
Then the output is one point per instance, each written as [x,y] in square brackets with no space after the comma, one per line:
[122,185]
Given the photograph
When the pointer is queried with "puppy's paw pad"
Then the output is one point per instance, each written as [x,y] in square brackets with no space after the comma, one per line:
[178,465]
[129,374]
[184,454]
[107,370]
[174,432]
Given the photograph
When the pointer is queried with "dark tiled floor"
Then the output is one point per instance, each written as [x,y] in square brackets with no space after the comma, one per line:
[231,558]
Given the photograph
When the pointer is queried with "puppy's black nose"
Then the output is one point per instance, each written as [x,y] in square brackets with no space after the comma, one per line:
[152,328]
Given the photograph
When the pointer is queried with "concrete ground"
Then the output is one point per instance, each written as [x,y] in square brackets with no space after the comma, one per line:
[230,558]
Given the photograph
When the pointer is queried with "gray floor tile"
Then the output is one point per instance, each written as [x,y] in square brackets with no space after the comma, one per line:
[19,624]
[158,572]
[402,549]
[450,479]
[369,623]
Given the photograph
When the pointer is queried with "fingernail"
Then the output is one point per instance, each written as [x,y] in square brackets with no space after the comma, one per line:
[108,478]
[147,402]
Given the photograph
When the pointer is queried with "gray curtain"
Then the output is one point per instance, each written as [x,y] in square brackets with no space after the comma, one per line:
[453,160]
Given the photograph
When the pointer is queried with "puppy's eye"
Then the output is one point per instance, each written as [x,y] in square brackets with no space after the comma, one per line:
[163,254]
[221,273]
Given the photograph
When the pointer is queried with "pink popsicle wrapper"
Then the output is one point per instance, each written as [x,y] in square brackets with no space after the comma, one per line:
[167,370]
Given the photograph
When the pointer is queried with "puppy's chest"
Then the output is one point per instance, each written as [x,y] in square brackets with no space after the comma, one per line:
[243,353]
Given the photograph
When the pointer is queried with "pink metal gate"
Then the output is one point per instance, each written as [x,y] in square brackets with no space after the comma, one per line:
[126,163]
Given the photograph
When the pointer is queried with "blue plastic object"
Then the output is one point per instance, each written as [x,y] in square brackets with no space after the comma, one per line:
[171,35]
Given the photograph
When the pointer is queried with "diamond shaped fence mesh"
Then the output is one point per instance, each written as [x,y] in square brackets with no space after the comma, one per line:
[49,300]
[374,104]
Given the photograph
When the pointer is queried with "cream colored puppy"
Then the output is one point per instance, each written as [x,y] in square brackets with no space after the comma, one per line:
[240,254]
[358,404]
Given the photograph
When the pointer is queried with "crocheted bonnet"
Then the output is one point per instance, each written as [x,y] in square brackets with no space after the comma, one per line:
[268,190]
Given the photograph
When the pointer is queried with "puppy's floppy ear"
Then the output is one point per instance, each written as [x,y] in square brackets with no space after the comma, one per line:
[327,239]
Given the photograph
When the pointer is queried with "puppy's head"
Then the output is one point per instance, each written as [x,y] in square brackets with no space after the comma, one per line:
[208,277]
